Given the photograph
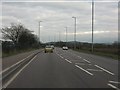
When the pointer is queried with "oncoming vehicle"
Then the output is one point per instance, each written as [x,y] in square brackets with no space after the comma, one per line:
[65,48]
[48,49]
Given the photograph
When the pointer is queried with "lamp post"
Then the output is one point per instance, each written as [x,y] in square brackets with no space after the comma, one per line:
[39,31]
[75,34]
[92,24]
[66,36]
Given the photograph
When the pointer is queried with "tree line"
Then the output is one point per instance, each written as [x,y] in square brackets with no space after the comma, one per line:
[18,37]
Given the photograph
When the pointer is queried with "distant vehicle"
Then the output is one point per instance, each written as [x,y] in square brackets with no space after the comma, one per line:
[52,46]
[48,49]
[65,48]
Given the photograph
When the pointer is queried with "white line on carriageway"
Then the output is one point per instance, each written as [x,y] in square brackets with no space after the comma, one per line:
[114,82]
[86,60]
[104,70]
[84,70]
[113,86]
[18,72]
[68,61]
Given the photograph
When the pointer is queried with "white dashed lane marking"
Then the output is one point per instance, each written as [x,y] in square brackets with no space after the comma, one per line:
[86,60]
[84,70]
[104,70]
[114,82]
[113,86]
[61,56]
[68,61]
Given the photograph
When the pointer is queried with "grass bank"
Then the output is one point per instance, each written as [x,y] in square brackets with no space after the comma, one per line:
[104,54]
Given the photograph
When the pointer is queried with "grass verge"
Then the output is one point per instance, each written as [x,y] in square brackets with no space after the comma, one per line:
[110,55]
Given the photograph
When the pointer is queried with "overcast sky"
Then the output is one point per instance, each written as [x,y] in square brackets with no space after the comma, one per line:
[55,16]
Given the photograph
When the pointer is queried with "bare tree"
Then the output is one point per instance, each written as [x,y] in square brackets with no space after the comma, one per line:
[13,32]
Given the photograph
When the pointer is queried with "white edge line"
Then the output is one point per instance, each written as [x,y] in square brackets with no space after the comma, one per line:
[86,60]
[84,70]
[61,56]
[113,86]
[15,64]
[68,61]
[18,72]
[114,82]
[105,70]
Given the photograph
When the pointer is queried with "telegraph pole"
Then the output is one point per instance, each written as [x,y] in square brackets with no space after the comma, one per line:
[92,23]
[75,34]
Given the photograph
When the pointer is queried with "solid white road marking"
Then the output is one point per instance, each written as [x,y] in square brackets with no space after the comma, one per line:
[61,56]
[15,64]
[113,86]
[114,82]
[68,61]
[93,70]
[105,70]
[84,70]
[18,72]
[86,60]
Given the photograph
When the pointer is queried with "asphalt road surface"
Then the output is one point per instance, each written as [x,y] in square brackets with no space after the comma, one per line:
[67,69]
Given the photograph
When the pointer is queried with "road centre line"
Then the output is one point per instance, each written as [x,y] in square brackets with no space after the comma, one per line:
[113,86]
[105,70]
[86,60]
[84,70]
[18,72]
[68,61]
[114,82]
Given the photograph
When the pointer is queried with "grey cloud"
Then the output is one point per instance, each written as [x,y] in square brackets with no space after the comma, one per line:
[56,16]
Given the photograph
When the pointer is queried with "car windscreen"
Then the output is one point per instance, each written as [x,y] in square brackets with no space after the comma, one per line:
[48,47]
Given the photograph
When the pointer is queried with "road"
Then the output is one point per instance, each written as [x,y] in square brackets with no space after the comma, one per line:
[67,69]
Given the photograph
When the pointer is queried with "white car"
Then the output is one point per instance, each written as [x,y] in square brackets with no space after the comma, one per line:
[65,48]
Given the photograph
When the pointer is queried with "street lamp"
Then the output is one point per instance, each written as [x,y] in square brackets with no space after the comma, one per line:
[66,36]
[92,24]
[74,33]
[39,30]
[59,38]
